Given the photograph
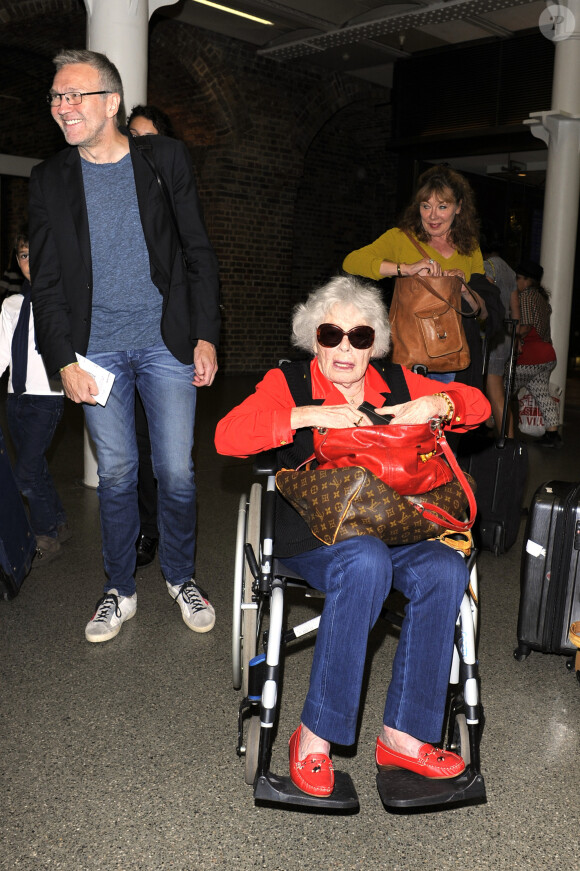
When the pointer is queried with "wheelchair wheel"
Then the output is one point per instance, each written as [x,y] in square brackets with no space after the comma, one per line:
[250,615]
[460,738]
[244,624]
[456,731]
[252,745]
[238,582]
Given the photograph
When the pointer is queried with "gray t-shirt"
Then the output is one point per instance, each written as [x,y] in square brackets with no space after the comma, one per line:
[126,305]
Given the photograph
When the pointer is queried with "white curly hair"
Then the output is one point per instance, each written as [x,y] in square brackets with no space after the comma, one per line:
[342,290]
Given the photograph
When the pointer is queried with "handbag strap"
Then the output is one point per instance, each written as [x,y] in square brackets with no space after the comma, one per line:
[394,376]
[428,286]
[415,242]
[143,144]
[438,515]
[472,314]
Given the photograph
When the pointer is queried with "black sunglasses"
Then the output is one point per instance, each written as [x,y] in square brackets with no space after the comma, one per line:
[329,336]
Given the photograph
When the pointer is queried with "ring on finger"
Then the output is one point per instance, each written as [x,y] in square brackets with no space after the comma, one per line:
[358,422]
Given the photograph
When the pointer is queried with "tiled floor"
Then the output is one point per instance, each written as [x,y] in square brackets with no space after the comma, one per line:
[121,756]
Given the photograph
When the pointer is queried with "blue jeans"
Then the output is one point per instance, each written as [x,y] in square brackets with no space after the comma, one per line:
[445,377]
[168,395]
[32,421]
[357,576]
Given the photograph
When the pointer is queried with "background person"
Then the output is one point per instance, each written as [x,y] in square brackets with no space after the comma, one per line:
[536,359]
[11,280]
[504,277]
[442,218]
[104,251]
[146,121]
[34,408]
[344,324]
[149,121]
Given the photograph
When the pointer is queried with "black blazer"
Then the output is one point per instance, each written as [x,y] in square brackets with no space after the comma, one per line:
[61,254]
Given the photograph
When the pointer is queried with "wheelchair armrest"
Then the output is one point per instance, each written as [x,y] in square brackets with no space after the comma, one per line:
[265,463]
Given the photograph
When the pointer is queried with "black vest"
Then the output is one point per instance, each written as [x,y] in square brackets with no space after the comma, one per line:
[292,535]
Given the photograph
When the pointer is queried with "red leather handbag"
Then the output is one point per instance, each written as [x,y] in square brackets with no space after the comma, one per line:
[410,458]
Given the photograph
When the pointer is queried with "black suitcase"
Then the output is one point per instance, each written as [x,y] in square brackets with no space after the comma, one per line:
[550,572]
[17,541]
[500,471]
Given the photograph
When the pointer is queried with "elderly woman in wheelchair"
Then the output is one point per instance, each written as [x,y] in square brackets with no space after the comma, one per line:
[345,326]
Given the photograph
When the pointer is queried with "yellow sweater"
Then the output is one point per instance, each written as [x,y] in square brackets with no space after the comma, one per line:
[395,247]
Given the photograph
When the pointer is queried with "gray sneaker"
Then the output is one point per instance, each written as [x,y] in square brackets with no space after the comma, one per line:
[196,610]
[110,613]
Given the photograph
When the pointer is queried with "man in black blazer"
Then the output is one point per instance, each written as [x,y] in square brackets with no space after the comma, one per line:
[113,280]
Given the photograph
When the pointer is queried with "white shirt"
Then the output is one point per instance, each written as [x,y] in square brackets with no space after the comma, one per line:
[37,381]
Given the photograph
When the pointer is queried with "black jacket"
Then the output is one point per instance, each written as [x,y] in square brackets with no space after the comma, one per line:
[60,251]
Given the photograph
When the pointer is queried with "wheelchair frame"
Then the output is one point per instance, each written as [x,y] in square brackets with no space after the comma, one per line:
[260,582]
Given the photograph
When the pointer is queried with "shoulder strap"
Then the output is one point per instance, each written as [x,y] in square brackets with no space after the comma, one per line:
[143,145]
[414,241]
[297,374]
[394,375]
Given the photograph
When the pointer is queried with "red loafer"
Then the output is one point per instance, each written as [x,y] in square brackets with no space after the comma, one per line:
[430,761]
[314,774]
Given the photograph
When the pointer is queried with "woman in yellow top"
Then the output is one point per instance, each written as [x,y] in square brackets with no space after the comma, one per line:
[440,219]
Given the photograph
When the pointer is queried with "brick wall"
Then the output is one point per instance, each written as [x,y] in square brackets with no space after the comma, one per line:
[289,179]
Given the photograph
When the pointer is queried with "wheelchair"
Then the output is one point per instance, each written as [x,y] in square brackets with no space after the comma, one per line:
[260,584]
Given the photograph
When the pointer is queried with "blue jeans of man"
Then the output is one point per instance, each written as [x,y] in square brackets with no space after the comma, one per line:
[32,421]
[169,397]
[357,576]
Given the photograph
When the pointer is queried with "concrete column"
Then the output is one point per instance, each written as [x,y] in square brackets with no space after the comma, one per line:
[560,130]
[120,29]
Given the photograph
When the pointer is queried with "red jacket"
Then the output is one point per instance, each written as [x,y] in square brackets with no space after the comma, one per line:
[262,421]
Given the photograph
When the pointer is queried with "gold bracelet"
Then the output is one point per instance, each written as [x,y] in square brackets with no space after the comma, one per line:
[399,273]
[450,407]
[76,363]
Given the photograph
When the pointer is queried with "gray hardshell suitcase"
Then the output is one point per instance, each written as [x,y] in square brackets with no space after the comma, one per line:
[550,571]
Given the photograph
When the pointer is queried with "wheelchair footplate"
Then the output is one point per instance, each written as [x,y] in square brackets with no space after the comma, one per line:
[402,789]
[271,787]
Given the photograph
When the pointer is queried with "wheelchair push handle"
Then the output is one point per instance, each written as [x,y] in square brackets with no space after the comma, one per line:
[252,561]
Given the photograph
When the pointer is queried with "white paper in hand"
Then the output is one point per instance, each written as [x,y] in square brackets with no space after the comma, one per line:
[103,377]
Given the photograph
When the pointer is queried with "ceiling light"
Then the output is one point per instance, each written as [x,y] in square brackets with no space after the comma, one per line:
[233,11]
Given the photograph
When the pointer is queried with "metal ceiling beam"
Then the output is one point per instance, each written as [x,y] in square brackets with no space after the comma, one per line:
[434,13]
[490,26]
[288,13]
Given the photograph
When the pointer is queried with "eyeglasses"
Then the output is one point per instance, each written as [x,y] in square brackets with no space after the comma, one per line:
[329,336]
[73,99]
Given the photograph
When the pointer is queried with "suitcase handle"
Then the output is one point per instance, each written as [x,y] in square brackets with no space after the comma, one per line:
[513,322]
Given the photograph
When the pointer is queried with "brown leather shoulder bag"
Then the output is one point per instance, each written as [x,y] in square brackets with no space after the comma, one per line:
[427,322]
